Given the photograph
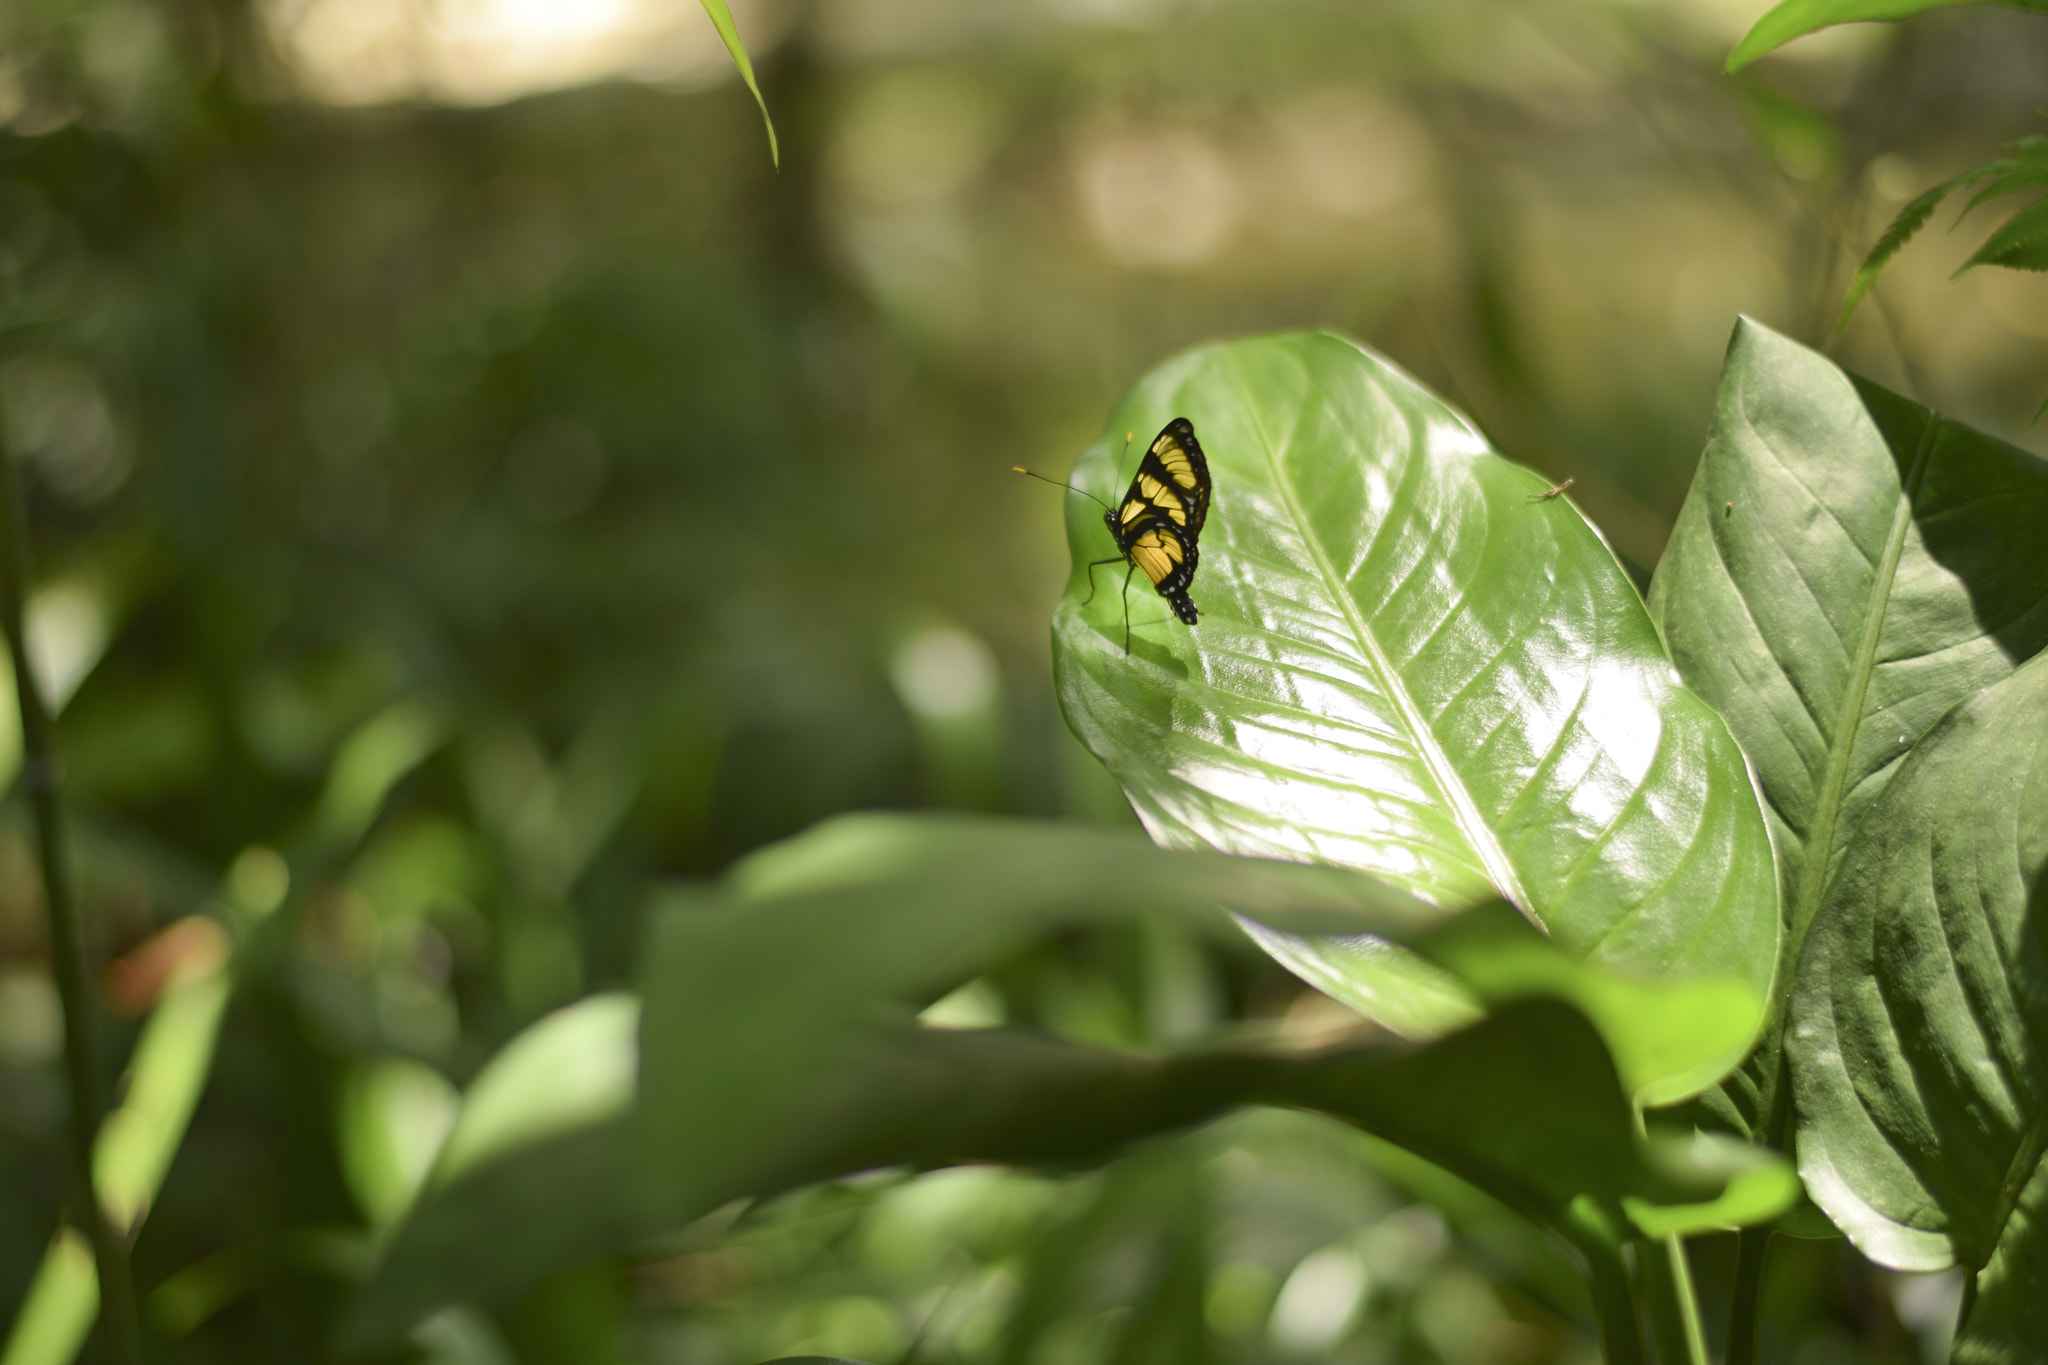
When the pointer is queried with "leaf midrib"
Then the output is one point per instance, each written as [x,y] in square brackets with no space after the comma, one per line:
[1820,841]
[1493,857]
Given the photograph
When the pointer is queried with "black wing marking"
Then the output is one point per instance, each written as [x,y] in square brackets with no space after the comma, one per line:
[1159,522]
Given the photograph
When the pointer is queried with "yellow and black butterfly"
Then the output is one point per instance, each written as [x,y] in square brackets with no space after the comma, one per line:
[1158,525]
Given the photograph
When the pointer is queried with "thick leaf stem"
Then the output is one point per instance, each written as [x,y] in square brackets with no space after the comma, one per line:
[1752,1246]
[1614,1306]
[42,777]
[1674,1306]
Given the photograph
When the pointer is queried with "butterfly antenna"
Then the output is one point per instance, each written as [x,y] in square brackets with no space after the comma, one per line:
[1057,484]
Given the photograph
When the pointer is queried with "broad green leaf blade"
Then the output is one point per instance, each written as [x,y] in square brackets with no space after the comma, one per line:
[2020,243]
[1847,567]
[1539,1061]
[729,34]
[1796,18]
[891,1095]
[873,910]
[901,1096]
[1669,1039]
[1410,664]
[756,995]
[1759,1185]
[774,1050]
[1569,1158]
[1920,1019]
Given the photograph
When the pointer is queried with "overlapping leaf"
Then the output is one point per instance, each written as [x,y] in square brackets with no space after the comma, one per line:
[1847,567]
[1920,1039]
[1410,664]
[775,1048]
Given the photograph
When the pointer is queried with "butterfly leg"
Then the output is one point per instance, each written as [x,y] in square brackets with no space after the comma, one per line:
[1127,607]
[1092,566]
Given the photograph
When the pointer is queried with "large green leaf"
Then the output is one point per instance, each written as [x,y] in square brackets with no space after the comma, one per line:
[759,993]
[1920,1026]
[775,1048]
[1411,664]
[872,909]
[564,1190]
[1847,567]
[1668,1038]
[895,1095]
[1796,18]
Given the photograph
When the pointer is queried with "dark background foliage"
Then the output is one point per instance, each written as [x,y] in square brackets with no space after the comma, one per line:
[527,420]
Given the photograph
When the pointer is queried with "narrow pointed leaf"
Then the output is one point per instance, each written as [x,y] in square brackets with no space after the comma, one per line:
[1920,1024]
[2026,169]
[1902,230]
[1409,663]
[2020,243]
[1847,567]
[729,34]
[1796,18]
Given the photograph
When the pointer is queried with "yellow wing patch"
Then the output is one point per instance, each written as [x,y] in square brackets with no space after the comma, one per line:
[1156,555]
[1158,524]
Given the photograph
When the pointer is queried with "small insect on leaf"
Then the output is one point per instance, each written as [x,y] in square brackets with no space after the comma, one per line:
[1551,492]
[1159,521]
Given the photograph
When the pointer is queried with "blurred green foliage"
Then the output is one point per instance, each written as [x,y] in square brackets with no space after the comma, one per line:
[455,517]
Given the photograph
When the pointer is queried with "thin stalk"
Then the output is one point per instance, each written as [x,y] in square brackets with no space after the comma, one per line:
[1675,1307]
[1752,1246]
[42,778]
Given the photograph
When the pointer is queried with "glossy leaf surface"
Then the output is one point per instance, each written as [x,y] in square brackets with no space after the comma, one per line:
[1411,664]
[1847,567]
[1920,1025]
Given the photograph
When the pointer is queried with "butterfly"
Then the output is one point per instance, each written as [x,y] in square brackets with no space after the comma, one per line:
[1158,524]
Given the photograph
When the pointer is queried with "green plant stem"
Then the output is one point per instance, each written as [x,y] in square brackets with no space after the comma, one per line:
[1752,1246]
[1676,1270]
[1614,1306]
[42,778]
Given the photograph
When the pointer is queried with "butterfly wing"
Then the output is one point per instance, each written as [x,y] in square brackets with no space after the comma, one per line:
[1175,461]
[1169,561]
[1160,518]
